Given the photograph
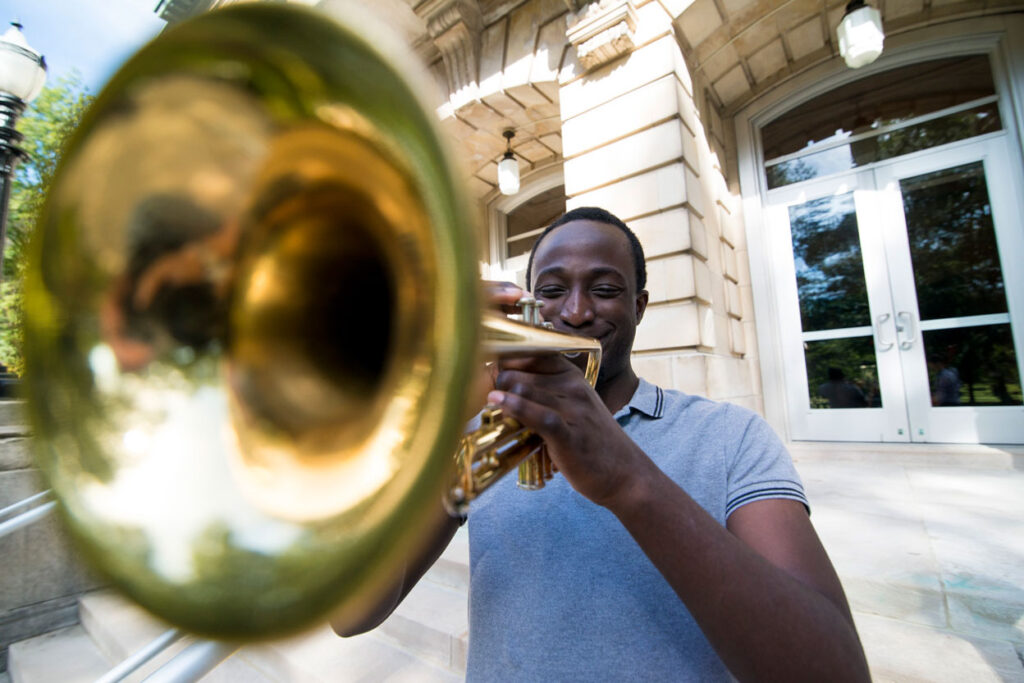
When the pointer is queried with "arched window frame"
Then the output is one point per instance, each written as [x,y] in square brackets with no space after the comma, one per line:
[999,37]
[501,206]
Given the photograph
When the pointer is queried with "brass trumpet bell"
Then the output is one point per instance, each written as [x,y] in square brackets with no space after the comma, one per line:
[251,320]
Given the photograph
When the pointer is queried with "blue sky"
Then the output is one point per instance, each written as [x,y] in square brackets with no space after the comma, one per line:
[92,36]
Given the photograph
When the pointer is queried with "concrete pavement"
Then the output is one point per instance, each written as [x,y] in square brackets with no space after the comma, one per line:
[928,541]
[929,544]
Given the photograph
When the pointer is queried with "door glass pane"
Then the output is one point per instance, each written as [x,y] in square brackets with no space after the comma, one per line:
[953,243]
[525,223]
[886,98]
[925,135]
[972,366]
[829,270]
[842,373]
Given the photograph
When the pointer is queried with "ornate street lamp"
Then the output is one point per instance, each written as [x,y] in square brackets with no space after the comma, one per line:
[508,168]
[860,34]
[22,75]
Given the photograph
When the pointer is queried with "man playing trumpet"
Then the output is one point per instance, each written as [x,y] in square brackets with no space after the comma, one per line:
[676,545]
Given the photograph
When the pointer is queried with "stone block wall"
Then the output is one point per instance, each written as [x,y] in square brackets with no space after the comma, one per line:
[640,139]
[41,575]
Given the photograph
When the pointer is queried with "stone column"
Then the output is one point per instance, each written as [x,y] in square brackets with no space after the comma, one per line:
[634,144]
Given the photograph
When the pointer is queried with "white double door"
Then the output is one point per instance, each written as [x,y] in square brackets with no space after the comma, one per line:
[900,290]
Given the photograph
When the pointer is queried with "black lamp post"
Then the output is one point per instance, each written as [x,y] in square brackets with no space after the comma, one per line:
[22,75]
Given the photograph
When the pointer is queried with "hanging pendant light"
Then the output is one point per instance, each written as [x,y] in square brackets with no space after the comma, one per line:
[508,168]
[860,34]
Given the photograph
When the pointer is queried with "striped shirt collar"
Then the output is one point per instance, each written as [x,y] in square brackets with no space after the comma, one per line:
[647,399]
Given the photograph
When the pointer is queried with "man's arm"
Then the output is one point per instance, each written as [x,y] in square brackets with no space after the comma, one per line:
[762,589]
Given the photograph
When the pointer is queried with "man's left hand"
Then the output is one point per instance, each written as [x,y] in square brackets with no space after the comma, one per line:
[550,396]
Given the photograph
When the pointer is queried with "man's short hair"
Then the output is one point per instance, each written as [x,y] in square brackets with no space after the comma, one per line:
[592,213]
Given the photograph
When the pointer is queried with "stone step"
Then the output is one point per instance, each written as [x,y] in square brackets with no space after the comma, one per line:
[118,627]
[320,655]
[432,622]
[452,568]
[67,655]
[424,640]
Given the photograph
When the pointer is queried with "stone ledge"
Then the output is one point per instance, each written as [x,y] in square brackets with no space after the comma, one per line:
[604,32]
[66,655]
[15,453]
[969,456]
[31,620]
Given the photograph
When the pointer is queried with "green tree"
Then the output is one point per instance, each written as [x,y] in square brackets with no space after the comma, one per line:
[46,124]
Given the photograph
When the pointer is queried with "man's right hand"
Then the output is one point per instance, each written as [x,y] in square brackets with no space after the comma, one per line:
[502,296]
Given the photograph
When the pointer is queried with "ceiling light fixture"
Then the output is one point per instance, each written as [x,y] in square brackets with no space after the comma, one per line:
[508,168]
[860,34]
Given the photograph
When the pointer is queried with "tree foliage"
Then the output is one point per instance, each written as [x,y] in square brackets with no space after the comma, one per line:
[46,124]
[829,267]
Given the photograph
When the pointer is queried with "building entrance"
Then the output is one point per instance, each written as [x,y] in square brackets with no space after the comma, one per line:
[901,293]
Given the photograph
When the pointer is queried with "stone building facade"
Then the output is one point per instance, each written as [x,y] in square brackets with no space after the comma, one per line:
[658,110]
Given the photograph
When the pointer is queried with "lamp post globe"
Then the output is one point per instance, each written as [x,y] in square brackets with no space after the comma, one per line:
[22,76]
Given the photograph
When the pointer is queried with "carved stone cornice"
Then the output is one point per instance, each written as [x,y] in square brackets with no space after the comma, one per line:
[455,27]
[602,31]
[173,11]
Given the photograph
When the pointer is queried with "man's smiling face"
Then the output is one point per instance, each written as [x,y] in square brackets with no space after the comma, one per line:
[586,283]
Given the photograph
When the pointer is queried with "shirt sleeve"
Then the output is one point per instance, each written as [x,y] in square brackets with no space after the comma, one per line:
[760,467]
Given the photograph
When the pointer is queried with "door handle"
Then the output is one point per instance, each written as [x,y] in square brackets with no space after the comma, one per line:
[879,322]
[907,339]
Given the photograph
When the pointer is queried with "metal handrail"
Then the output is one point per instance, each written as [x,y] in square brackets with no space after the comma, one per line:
[142,656]
[194,662]
[31,514]
[191,664]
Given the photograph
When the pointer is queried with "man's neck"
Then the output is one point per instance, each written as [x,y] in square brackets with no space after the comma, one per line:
[617,390]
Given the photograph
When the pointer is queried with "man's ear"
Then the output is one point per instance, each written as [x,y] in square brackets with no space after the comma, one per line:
[641,305]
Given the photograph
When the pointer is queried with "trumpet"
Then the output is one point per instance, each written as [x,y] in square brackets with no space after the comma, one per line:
[252,315]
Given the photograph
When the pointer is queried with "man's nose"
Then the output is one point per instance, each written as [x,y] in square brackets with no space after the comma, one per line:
[577,309]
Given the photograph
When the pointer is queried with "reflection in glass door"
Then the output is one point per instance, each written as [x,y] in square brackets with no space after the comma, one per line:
[837,324]
[834,314]
[958,225]
[961,296]
[898,301]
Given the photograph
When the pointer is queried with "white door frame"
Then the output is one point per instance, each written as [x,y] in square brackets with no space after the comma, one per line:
[894,326]
[1001,37]
[885,423]
[971,424]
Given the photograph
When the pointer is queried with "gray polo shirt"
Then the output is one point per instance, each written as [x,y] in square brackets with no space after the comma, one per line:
[559,590]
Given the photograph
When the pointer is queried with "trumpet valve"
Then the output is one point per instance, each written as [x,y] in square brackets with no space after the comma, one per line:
[490,416]
[535,470]
[530,308]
